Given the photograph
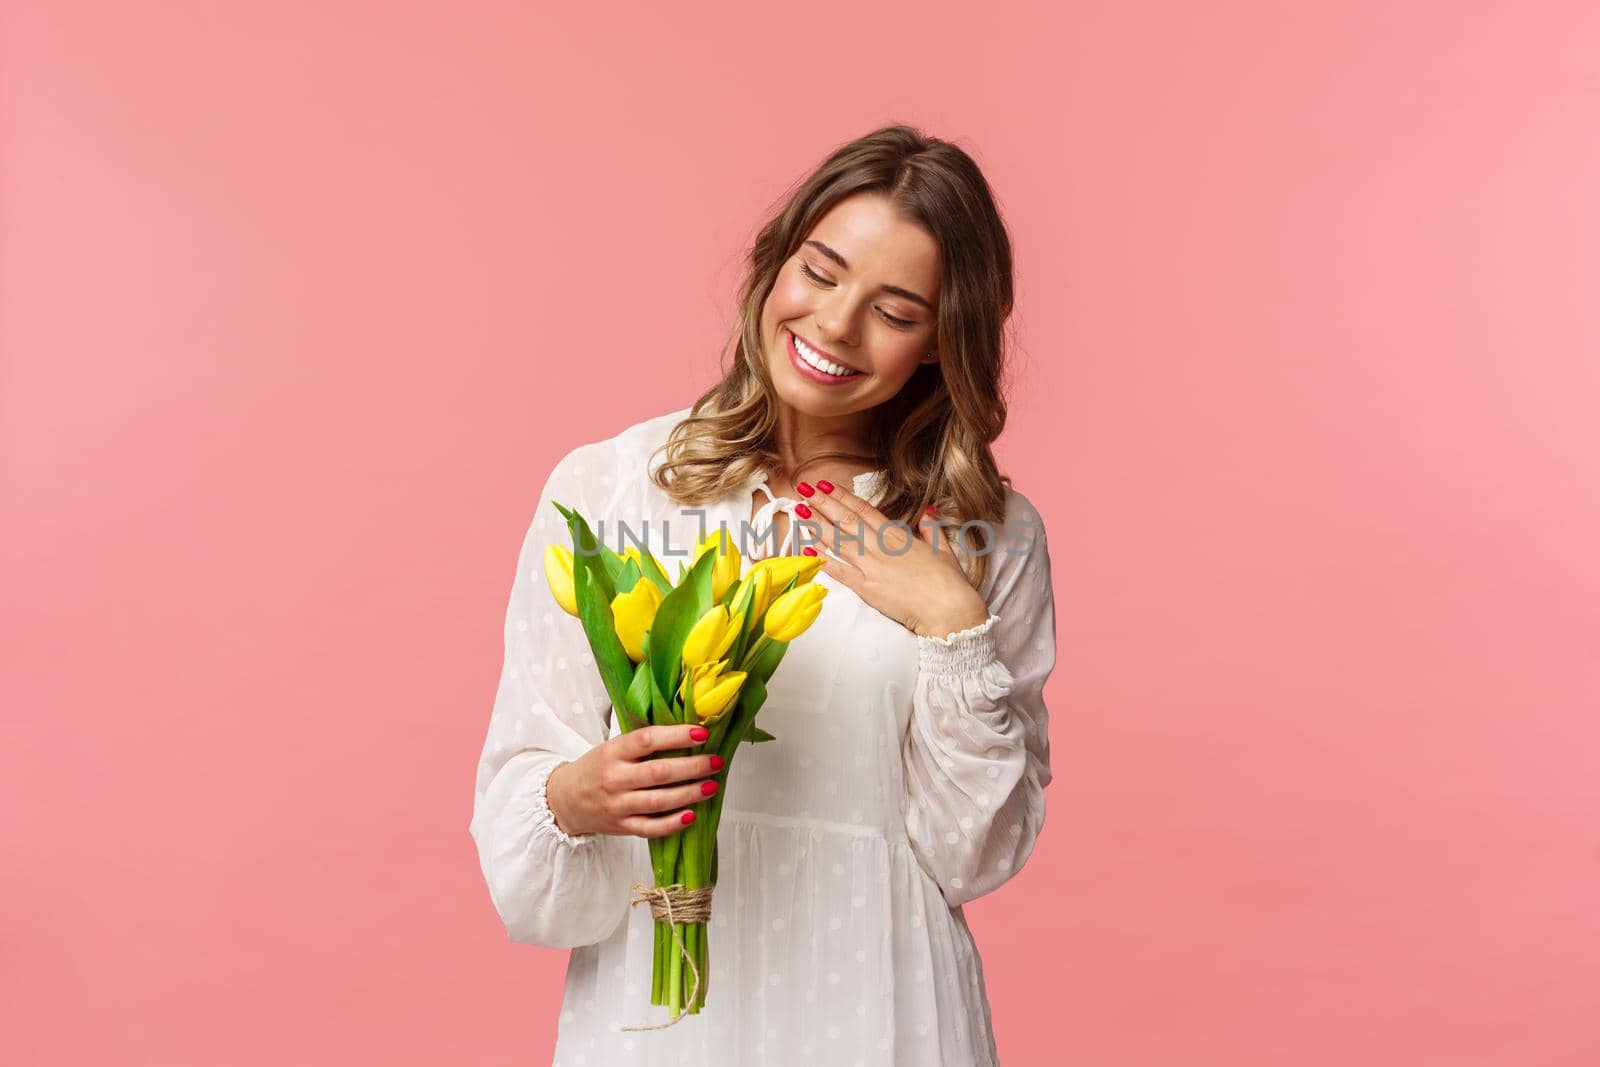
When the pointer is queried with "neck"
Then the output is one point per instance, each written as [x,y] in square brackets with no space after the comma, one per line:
[800,436]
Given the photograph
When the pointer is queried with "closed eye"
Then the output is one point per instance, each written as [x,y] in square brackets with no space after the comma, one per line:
[813,275]
[897,323]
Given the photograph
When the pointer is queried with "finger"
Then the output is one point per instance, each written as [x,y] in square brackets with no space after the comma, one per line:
[847,496]
[846,574]
[813,530]
[640,743]
[656,825]
[842,507]
[934,530]
[846,542]
[671,798]
[667,770]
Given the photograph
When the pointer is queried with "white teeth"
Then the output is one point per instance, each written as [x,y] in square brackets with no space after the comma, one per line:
[827,366]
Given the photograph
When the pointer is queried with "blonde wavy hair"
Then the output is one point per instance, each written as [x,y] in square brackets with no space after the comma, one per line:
[933,437]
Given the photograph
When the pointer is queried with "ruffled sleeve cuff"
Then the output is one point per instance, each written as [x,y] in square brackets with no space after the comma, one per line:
[544,820]
[962,652]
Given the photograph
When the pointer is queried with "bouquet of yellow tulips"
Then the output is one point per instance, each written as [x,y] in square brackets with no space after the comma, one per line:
[698,651]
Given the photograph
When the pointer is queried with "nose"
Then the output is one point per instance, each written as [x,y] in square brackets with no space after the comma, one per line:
[835,321]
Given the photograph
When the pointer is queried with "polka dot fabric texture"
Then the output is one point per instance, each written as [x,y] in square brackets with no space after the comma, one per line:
[907,779]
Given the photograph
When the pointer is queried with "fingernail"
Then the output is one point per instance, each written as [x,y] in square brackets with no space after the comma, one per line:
[826,487]
[805,489]
[802,511]
[707,788]
[688,817]
[716,762]
[808,551]
[698,733]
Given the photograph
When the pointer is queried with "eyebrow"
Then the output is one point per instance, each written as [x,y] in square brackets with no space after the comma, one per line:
[915,298]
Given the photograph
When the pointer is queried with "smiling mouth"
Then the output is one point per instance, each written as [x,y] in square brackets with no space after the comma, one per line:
[819,361]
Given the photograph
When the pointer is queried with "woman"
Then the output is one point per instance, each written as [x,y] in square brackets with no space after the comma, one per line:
[911,751]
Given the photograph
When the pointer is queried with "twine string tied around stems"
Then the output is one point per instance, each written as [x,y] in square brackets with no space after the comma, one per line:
[673,904]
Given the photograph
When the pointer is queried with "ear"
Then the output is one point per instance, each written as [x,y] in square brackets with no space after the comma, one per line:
[931,357]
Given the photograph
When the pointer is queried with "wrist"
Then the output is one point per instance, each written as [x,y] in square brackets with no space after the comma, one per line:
[555,798]
[945,625]
[961,652]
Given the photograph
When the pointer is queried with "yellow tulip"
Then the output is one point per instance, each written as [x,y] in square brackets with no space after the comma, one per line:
[711,637]
[777,571]
[713,690]
[558,572]
[760,591]
[694,674]
[632,613]
[709,705]
[632,552]
[725,571]
[793,612]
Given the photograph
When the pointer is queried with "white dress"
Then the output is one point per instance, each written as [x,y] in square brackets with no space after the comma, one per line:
[906,779]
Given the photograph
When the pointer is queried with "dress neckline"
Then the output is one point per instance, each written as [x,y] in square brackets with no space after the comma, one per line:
[865,485]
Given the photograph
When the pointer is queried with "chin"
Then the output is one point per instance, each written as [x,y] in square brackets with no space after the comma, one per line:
[799,396]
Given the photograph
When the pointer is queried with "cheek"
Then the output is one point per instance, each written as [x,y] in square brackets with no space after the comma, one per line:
[786,301]
[901,357]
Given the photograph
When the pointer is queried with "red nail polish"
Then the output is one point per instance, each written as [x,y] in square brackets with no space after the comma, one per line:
[805,489]
[808,551]
[826,487]
[802,511]
[707,788]
[716,762]
[699,733]
[688,817]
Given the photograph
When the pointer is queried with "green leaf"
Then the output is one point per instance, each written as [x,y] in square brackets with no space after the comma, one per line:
[752,627]
[661,713]
[752,695]
[740,595]
[767,663]
[734,725]
[628,576]
[676,616]
[653,571]
[594,611]
[756,735]
[638,695]
[615,570]
[587,549]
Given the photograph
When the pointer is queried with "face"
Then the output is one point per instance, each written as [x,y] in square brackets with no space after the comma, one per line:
[859,296]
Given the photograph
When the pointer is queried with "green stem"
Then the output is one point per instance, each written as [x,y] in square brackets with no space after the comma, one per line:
[703,959]
[658,959]
[694,954]
[699,851]
[754,652]
[680,979]
[654,845]
[675,986]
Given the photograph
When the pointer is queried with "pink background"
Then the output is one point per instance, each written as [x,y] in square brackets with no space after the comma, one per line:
[301,303]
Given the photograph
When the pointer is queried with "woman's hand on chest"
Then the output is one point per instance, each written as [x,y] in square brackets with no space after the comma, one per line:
[913,578]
